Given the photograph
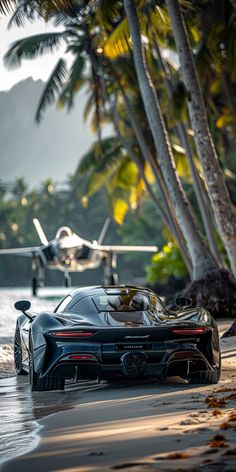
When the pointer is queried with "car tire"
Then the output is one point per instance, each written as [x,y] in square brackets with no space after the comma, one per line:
[45,384]
[206,376]
[18,352]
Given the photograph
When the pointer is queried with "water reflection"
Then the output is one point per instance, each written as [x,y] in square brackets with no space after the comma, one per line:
[19,410]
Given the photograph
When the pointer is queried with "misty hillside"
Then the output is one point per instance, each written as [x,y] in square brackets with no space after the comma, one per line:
[49,150]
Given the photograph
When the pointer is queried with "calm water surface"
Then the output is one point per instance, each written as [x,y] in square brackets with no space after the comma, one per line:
[19,408]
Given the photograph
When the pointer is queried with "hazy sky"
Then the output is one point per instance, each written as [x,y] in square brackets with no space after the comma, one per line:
[39,68]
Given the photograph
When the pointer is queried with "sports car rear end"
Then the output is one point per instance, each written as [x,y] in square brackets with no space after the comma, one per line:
[130,352]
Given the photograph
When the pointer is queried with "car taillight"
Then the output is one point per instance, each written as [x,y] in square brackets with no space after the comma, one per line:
[188,331]
[82,357]
[72,334]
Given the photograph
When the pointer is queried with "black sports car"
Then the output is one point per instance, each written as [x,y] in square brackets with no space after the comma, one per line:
[108,332]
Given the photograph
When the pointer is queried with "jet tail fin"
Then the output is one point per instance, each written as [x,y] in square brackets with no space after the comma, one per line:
[40,232]
[104,230]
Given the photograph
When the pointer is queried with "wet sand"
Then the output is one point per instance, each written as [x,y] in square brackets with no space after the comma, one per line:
[138,427]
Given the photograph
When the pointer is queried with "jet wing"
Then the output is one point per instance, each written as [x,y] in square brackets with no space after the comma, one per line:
[125,249]
[21,251]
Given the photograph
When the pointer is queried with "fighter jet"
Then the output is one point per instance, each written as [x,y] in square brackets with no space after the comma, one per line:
[68,252]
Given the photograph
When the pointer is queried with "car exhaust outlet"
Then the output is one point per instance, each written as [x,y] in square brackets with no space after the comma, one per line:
[133,363]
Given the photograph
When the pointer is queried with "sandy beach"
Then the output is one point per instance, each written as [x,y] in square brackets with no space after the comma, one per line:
[144,426]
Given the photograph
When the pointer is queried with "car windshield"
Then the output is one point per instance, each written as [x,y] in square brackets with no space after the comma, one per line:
[132,301]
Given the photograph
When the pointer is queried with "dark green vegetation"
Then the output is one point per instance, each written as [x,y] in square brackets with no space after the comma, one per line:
[174,126]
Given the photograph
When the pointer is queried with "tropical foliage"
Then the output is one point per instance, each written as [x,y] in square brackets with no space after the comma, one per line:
[124,54]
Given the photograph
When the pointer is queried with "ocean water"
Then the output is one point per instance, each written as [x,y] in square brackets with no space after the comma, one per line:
[47,300]
[19,408]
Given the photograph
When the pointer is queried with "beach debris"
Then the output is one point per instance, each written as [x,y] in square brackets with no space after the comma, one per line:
[218,441]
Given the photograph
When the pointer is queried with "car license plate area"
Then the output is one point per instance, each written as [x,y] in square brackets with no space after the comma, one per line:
[134,347]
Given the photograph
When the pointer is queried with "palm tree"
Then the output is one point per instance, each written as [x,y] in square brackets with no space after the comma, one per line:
[7,6]
[197,184]
[201,259]
[224,211]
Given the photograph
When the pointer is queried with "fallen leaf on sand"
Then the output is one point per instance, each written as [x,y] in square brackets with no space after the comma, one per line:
[213,402]
[218,441]
[225,390]
[232,416]
[230,397]
[225,425]
[178,455]
[217,413]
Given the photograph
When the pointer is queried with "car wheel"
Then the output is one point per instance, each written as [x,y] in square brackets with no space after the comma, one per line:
[18,352]
[206,376]
[47,383]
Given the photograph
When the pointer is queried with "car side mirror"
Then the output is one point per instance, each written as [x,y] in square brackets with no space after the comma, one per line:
[183,301]
[23,306]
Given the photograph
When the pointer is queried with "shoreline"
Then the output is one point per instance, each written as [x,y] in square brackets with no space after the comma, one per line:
[139,427]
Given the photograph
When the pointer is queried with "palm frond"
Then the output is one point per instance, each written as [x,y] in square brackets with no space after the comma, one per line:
[107,13]
[55,83]
[66,5]
[119,209]
[50,8]
[153,21]
[108,168]
[89,161]
[74,82]
[32,47]
[7,6]
[26,11]
[88,107]
[119,41]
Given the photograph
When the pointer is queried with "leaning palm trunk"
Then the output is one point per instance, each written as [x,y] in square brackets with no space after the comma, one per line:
[170,219]
[224,211]
[201,259]
[197,184]
[233,3]
[171,224]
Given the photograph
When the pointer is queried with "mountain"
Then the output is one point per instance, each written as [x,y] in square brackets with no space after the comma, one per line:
[51,149]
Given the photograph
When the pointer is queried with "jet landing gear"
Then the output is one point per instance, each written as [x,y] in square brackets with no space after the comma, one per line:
[38,276]
[110,277]
[67,279]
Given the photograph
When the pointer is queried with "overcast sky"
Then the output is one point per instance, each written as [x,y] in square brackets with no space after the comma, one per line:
[38,69]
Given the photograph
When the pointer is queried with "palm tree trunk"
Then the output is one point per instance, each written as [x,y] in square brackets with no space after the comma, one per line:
[198,188]
[224,211]
[201,259]
[197,185]
[233,3]
[170,219]
[173,226]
